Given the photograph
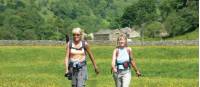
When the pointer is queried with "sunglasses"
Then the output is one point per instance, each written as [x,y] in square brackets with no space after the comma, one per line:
[76,34]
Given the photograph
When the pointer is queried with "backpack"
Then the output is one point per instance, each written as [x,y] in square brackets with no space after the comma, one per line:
[83,45]
[76,66]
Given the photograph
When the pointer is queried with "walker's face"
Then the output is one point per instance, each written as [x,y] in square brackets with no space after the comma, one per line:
[122,42]
[77,36]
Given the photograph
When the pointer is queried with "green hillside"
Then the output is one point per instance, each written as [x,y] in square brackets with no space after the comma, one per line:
[52,19]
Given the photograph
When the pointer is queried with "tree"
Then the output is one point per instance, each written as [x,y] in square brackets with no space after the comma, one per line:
[140,13]
[42,18]
[153,29]
[29,34]
[179,16]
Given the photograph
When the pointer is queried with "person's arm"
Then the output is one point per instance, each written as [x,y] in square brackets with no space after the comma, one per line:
[66,58]
[91,57]
[133,64]
[114,61]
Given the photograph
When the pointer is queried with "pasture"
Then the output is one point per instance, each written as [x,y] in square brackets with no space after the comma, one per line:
[43,66]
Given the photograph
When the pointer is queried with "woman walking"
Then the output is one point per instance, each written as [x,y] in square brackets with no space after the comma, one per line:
[122,62]
[75,60]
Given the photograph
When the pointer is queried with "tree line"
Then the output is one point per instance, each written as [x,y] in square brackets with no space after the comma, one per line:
[53,19]
[176,17]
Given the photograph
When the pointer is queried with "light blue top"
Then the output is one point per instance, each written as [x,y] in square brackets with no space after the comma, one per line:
[122,57]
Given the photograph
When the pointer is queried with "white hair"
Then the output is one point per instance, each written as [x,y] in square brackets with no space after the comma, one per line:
[79,30]
[75,30]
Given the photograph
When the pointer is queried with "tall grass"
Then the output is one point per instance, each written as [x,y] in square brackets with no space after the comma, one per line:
[43,66]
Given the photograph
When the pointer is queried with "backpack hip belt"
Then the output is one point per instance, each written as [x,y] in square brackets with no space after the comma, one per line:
[126,65]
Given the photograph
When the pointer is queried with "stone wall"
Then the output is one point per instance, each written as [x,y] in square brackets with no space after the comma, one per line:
[31,42]
[100,42]
[151,43]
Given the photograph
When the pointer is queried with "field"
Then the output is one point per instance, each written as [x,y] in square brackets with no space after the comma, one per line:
[43,66]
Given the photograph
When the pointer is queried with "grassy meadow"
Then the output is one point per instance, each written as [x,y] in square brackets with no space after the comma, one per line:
[43,66]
